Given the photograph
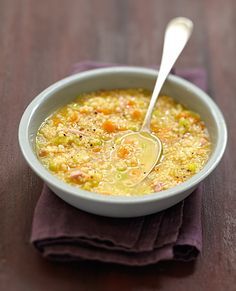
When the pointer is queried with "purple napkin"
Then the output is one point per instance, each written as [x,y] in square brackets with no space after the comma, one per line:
[63,233]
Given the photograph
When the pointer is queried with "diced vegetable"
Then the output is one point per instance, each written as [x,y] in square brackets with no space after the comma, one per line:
[121,166]
[159,186]
[76,174]
[136,114]
[74,116]
[131,103]
[96,142]
[135,172]
[53,166]
[105,111]
[43,153]
[62,140]
[109,126]
[192,167]
[56,120]
[184,122]
[123,152]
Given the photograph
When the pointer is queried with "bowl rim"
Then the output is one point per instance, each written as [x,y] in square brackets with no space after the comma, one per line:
[50,179]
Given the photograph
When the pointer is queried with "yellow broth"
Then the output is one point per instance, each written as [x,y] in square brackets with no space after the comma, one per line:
[80,143]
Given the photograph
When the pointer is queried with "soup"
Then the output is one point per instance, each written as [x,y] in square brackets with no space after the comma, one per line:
[80,142]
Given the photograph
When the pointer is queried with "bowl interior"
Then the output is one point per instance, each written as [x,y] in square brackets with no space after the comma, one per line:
[56,96]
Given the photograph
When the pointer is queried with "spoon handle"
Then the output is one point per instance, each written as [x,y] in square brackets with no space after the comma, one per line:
[177,35]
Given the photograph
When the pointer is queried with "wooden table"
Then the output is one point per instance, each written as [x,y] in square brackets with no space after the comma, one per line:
[39,41]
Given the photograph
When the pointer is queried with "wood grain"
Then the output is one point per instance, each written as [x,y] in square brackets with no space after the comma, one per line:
[39,41]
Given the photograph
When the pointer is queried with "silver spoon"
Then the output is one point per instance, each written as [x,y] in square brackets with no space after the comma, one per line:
[177,35]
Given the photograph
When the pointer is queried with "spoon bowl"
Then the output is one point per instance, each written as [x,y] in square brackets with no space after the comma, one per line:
[144,144]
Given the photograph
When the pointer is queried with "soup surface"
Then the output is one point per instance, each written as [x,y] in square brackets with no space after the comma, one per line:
[80,143]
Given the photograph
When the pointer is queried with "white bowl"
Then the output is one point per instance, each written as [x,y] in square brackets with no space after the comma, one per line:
[67,89]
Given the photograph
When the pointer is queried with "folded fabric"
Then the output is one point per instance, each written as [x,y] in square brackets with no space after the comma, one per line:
[64,233]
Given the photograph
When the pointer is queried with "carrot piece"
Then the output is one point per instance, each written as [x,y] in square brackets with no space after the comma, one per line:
[74,117]
[122,152]
[56,121]
[96,149]
[109,126]
[135,172]
[188,114]
[202,125]
[105,111]
[43,153]
[131,103]
[136,114]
